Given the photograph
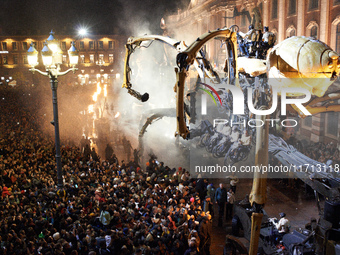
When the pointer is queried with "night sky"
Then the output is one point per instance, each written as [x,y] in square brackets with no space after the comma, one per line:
[22,17]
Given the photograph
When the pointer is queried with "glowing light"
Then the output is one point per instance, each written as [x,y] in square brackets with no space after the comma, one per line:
[82,31]
[117,115]
[94,97]
[90,108]
[105,90]
[99,88]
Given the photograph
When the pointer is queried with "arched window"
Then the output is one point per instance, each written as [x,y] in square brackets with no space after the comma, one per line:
[314,32]
[337,42]
[291,31]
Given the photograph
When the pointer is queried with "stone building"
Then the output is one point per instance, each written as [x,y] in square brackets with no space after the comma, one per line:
[98,55]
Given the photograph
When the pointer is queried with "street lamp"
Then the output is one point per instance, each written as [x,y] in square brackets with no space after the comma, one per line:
[52,58]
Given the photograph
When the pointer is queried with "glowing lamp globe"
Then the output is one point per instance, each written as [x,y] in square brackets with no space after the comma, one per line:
[73,55]
[47,55]
[32,56]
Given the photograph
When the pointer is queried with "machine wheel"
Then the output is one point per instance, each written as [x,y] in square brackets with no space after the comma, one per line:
[203,140]
[234,247]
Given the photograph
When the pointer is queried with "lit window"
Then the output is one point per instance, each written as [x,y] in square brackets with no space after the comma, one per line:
[101,58]
[15,59]
[5,60]
[292,7]
[313,4]
[81,45]
[314,32]
[332,123]
[111,58]
[100,45]
[82,80]
[82,59]
[274,9]
[14,46]
[111,44]
[24,45]
[91,45]
[24,59]
[91,58]
[4,46]
[64,59]
[63,45]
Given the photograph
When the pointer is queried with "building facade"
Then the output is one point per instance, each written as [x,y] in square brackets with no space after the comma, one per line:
[98,55]
[313,18]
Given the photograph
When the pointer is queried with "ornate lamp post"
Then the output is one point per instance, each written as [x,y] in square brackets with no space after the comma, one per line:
[52,58]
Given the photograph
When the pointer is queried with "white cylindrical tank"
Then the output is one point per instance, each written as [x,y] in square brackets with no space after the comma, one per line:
[303,57]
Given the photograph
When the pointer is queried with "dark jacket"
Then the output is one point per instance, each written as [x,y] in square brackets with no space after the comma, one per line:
[221,195]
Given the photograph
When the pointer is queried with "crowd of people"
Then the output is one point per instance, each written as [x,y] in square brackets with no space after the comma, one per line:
[324,153]
[105,207]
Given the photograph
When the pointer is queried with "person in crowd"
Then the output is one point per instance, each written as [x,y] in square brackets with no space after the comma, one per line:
[268,40]
[247,41]
[108,151]
[234,180]
[205,236]
[282,226]
[230,203]
[106,206]
[221,199]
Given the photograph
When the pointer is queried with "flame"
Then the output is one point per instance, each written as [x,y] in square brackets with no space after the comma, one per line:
[117,115]
[90,108]
[99,88]
[94,97]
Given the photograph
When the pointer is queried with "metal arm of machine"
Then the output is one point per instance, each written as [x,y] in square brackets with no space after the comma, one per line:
[155,115]
[327,103]
[185,59]
[202,65]
[131,45]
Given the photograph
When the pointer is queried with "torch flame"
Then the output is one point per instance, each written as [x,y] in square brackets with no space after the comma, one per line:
[90,108]
[94,97]
[99,88]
